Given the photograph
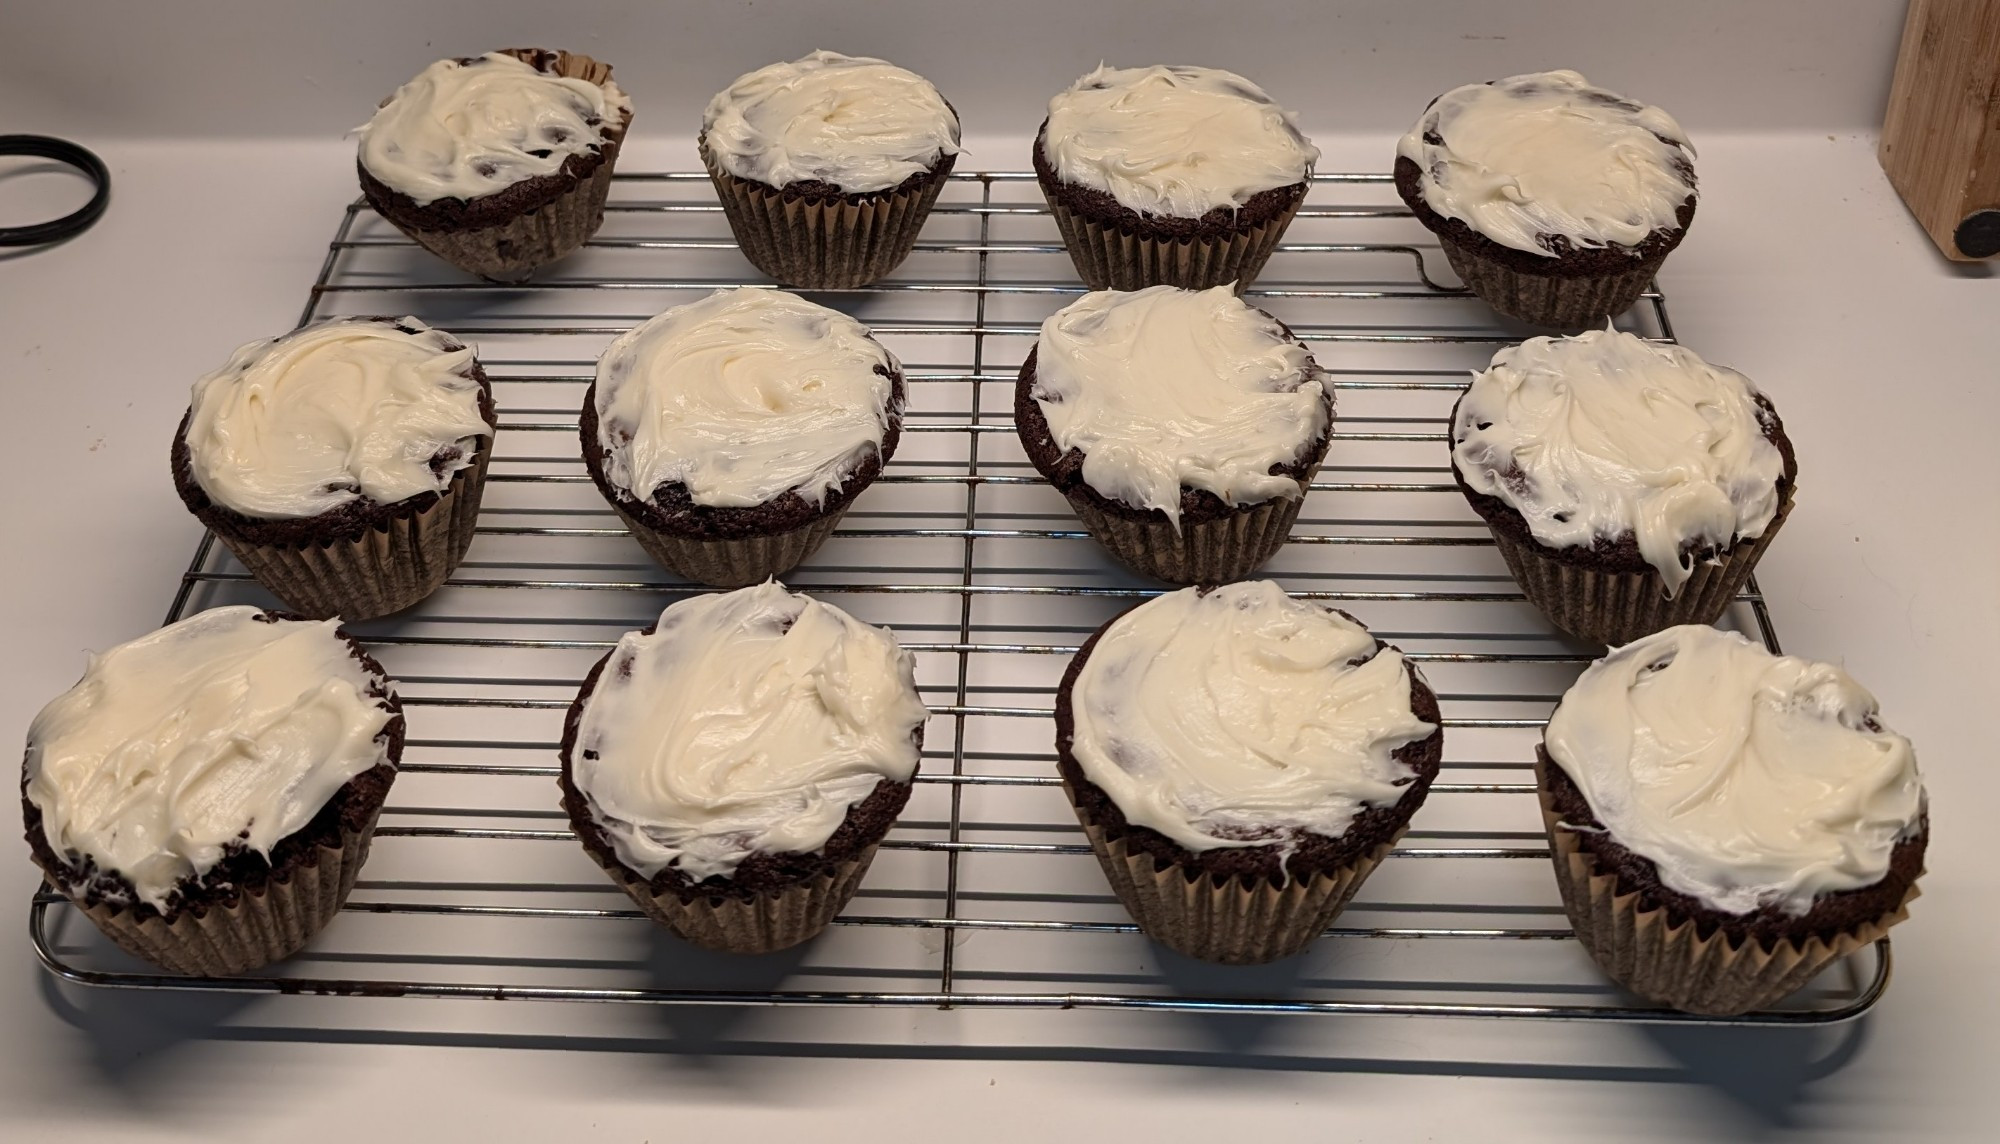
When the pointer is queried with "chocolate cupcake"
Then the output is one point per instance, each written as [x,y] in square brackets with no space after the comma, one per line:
[206,793]
[1177,176]
[1554,200]
[734,766]
[1726,822]
[499,163]
[342,463]
[731,434]
[1629,485]
[828,165]
[1184,427]
[1241,761]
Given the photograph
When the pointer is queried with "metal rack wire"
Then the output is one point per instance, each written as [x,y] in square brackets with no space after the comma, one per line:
[984,895]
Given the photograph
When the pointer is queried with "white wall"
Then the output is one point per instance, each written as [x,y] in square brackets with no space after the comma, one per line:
[98,69]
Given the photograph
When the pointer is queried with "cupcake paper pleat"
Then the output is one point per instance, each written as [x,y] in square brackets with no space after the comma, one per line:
[386,569]
[832,245]
[1107,258]
[1616,608]
[1644,951]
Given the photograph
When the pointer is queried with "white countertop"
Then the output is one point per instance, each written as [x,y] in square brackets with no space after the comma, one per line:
[1803,270]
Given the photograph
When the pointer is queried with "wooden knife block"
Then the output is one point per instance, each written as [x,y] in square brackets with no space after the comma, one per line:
[1941,136]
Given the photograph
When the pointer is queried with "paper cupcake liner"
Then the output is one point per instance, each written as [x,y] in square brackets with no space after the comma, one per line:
[732,563]
[263,926]
[1107,258]
[831,245]
[1567,303]
[1226,921]
[1210,552]
[1644,951]
[384,570]
[1616,608]
[764,923]
[511,251]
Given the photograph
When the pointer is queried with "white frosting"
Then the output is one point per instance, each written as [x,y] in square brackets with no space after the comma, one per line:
[861,124]
[1176,141]
[1227,718]
[743,396]
[311,420]
[1548,154]
[1604,434]
[1165,387]
[462,130]
[219,729]
[1750,780]
[747,721]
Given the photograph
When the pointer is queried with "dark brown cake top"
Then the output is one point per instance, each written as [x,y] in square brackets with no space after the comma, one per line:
[1752,781]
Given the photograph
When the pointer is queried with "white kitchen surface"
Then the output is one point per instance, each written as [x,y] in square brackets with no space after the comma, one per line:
[1803,270]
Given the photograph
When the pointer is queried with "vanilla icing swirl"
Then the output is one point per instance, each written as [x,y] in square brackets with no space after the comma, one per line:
[224,730]
[330,413]
[1163,388]
[1531,156]
[1603,435]
[858,123]
[1750,780]
[744,722]
[743,396]
[1174,141]
[466,128]
[1239,716]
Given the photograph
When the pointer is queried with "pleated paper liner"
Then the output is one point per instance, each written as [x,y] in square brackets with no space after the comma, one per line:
[732,563]
[1228,921]
[1555,301]
[264,925]
[765,923]
[1644,951]
[386,569]
[512,250]
[1108,258]
[1208,552]
[834,244]
[1616,608]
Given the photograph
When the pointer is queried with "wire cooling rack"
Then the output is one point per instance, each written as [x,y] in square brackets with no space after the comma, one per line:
[985,893]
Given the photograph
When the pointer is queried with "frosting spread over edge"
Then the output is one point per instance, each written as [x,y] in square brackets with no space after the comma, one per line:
[223,730]
[859,123]
[1178,141]
[1163,388]
[1750,780]
[1240,717]
[746,721]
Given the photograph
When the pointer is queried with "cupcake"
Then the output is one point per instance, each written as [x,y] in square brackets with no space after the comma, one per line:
[827,165]
[731,434]
[342,463]
[1629,485]
[1726,822]
[1241,761]
[206,793]
[1184,426]
[499,163]
[1555,201]
[734,766]
[1177,176]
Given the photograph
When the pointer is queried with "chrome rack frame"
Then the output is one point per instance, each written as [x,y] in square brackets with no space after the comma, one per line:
[987,895]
